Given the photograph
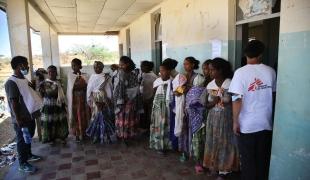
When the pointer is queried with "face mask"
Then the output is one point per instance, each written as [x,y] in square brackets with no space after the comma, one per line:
[24,72]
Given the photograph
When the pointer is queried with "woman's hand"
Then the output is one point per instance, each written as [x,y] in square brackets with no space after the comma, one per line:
[80,84]
[177,93]
[216,99]
[101,105]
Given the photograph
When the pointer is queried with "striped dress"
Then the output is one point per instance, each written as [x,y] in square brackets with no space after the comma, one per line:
[160,127]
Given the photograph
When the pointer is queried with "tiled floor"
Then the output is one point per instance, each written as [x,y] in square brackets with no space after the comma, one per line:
[113,162]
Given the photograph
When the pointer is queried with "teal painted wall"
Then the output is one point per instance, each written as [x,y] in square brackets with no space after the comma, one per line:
[290,157]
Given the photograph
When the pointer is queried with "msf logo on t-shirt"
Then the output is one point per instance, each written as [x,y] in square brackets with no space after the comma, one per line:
[257,85]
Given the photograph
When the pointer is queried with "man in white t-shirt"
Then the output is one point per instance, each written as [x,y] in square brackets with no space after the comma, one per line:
[253,87]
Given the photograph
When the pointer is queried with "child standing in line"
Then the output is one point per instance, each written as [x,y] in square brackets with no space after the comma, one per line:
[160,123]
[77,104]
[53,114]
[99,98]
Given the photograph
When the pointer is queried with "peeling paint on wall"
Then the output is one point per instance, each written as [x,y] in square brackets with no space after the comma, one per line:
[252,8]
[187,26]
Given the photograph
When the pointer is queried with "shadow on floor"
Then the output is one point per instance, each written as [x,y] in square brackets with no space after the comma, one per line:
[78,161]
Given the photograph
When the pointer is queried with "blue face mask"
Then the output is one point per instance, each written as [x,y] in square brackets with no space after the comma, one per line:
[24,72]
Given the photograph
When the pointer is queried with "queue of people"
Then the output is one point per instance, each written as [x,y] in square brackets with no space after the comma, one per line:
[221,120]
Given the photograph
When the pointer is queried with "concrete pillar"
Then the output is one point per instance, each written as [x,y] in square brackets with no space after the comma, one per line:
[19,32]
[290,157]
[46,46]
[50,49]
[231,43]
[49,37]
[55,49]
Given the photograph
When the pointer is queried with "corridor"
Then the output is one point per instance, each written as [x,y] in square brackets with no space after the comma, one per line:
[113,162]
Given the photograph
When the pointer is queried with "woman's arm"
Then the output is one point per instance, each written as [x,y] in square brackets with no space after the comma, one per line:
[236,107]
[41,89]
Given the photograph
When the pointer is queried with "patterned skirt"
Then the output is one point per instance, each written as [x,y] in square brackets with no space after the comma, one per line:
[197,140]
[159,128]
[80,113]
[102,129]
[54,122]
[126,121]
[184,137]
[198,143]
[221,149]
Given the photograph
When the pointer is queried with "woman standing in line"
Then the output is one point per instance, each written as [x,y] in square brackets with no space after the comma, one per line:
[127,100]
[221,152]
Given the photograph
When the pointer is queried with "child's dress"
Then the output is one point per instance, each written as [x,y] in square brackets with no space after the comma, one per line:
[53,113]
[101,128]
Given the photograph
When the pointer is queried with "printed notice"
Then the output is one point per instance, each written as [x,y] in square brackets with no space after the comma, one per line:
[216,48]
[164,50]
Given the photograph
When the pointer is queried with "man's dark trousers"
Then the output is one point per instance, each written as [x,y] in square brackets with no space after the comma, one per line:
[255,151]
[23,149]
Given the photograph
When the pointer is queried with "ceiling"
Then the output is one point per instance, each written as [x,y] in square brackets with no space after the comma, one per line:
[92,16]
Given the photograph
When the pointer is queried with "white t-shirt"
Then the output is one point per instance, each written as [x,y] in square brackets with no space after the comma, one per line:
[256,83]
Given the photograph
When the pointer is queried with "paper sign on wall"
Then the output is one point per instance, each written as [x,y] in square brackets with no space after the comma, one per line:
[164,50]
[216,48]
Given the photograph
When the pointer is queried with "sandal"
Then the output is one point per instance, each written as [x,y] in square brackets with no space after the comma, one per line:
[224,174]
[199,169]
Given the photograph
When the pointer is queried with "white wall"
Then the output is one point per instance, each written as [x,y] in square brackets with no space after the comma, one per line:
[189,22]
[140,36]
[188,26]
[140,33]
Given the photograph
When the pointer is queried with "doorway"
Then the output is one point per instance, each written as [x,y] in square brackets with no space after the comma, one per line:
[261,27]
[157,40]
